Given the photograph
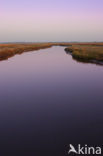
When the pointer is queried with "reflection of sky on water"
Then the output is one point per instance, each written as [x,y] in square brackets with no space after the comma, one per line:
[48,100]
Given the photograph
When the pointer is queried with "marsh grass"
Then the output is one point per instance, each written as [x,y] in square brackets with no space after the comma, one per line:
[9,50]
[86,53]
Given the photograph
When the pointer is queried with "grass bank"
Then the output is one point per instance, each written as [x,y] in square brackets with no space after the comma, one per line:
[9,50]
[84,52]
[87,53]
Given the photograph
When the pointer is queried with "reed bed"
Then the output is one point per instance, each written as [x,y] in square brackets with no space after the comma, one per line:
[86,53]
[9,50]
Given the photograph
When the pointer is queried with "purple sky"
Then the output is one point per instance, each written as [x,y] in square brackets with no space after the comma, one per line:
[51,20]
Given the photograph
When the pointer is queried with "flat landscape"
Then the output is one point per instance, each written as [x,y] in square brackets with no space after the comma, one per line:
[87,53]
[9,50]
[83,52]
[51,77]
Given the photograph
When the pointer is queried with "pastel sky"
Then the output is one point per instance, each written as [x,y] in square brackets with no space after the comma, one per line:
[51,20]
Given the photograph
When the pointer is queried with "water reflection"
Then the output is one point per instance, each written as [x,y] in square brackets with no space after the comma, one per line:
[47,101]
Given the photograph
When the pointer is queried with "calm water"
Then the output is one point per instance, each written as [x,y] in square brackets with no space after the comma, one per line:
[47,101]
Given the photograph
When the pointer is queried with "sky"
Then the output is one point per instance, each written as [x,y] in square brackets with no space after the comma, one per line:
[51,20]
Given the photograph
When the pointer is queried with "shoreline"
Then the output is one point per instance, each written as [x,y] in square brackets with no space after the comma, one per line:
[87,52]
[9,50]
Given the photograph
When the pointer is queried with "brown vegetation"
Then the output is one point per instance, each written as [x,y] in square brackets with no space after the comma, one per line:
[9,50]
[87,53]
[84,52]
